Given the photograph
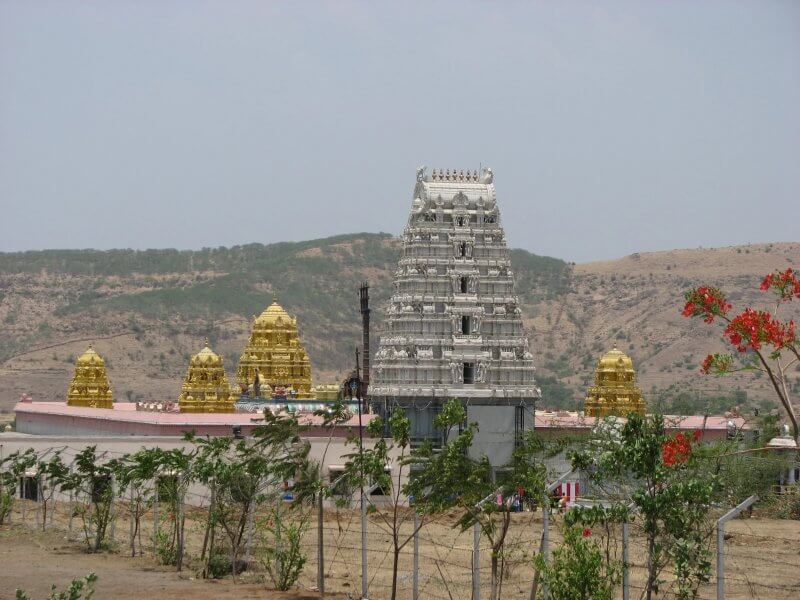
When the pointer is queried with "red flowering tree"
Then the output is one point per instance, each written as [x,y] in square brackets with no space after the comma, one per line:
[763,342]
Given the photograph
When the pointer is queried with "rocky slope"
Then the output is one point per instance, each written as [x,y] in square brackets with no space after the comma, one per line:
[147,311]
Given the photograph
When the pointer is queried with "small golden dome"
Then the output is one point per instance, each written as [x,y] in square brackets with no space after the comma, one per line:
[274,314]
[615,360]
[90,358]
[206,357]
[614,391]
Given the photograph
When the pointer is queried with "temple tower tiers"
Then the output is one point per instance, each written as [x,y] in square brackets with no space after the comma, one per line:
[206,388]
[454,326]
[614,391]
[274,358]
[89,387]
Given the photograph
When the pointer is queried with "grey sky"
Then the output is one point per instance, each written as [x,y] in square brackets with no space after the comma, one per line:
[611,127]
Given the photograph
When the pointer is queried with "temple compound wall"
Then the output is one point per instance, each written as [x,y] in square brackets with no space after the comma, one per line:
[454,326]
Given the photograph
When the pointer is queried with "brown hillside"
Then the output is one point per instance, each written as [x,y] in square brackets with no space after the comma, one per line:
[147,315]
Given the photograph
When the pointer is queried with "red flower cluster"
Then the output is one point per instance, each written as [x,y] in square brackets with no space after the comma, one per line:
[676,450]
[785,284]
[707,363]
[706,302]
[586,532]
[753,328]
[719,364]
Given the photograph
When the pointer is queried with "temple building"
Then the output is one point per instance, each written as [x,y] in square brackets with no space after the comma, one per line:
[206,388]
[89,387]
[274,363]
[614,391]
[454,325]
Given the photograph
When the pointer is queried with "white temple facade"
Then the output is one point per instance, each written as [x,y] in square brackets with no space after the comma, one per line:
[454,327]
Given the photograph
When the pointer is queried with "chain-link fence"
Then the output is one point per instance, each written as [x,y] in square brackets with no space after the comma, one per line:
[432,557]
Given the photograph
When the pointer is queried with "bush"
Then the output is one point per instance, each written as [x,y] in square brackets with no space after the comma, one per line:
[282,554]
[219,565]
[578,569]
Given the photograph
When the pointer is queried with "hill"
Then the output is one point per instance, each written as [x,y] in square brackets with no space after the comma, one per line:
[148,311]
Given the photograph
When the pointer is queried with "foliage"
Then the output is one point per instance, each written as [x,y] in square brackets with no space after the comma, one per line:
[578,569]
[92,482]
[77,589]
[763,342]
[660,476]
[448,478]
[12,467]
[282,555]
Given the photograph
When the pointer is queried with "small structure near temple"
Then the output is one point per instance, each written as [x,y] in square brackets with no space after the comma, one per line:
[614,392]
[89,386]
[206,388]
[274,358]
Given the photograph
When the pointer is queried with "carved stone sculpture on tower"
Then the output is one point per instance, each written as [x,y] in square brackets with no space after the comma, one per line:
[463,322]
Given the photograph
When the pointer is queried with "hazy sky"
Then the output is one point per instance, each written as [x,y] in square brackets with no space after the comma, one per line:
[611,127]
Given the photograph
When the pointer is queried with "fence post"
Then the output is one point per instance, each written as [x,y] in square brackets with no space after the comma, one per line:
[363,546]
[130,510]
[251,511]
[39,509]
[278,545]
[71,502]
[476,562]
[415,575]
[24,497]
[626,584]
[734,512]
[112,535]
[320,551]
[155,519]
[545,538]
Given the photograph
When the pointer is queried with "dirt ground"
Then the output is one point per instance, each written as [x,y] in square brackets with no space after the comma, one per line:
[762,559]
[33,561]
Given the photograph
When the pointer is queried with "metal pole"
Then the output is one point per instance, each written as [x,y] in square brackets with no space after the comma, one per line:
[24,496]
[415,580]
[626,584]
[734,512]
[113,509]
[476,562]
[155,519]
[249,544]
[363,546]
[320,551]
[130,510]
[71,502]
[545,538]
[361,486]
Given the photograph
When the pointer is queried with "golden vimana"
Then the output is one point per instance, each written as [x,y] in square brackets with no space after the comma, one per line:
[206,388]
[273,359]
[614,392]
[89,386]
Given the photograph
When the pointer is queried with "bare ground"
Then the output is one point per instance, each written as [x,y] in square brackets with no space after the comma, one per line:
[35,560]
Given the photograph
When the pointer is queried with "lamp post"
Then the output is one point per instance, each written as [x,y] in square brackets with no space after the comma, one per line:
[355,390]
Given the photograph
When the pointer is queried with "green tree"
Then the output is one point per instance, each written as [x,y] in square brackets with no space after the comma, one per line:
[449,478]
[659,475]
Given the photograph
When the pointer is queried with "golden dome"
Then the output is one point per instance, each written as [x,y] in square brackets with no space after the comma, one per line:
[275,315]
[206,357]
[90,358]
[614,391]
[206,387]
[89,386]
[615,360]
[274,356]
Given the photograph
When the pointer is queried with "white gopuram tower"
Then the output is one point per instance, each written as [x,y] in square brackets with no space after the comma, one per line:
[454,328]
